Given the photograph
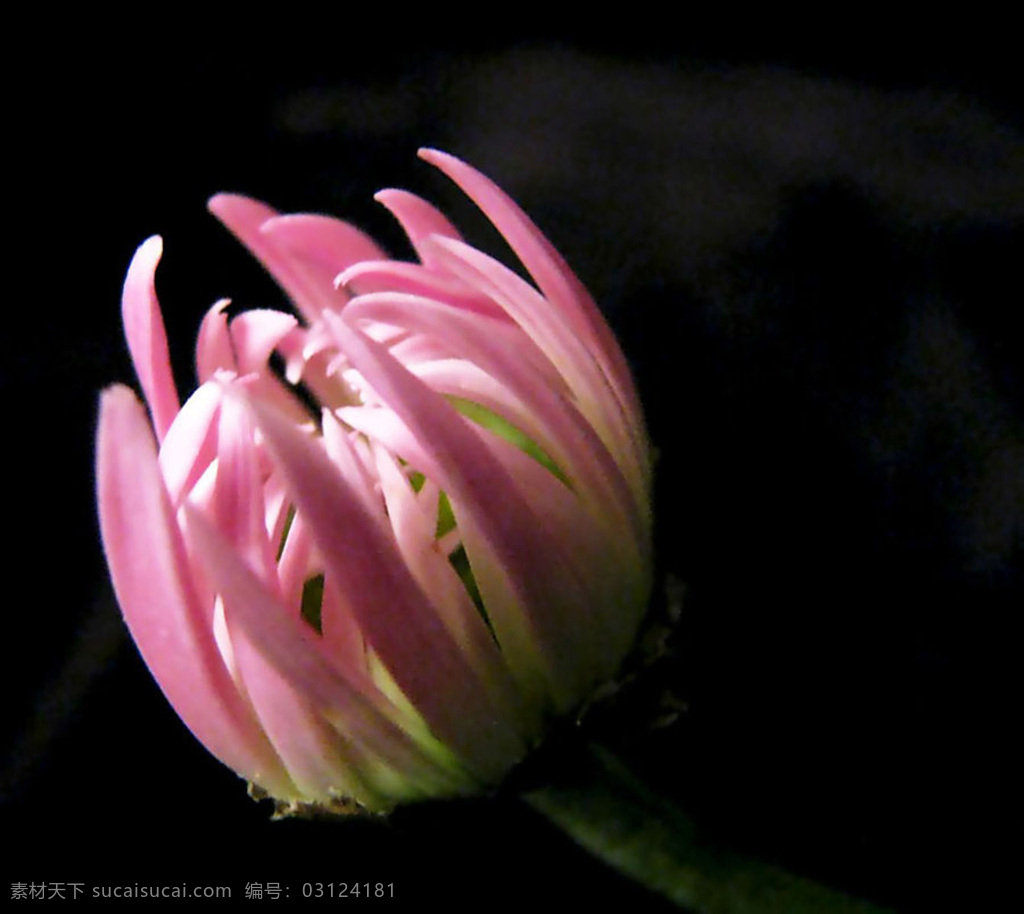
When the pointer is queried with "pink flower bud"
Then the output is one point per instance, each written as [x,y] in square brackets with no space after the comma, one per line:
[391,596]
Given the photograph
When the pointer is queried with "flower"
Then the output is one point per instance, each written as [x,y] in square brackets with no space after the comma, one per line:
[388,596]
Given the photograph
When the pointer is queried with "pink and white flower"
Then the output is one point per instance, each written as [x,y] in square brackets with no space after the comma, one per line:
[390,597]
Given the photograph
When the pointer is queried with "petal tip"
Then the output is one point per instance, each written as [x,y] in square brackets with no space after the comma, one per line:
[236,210]
[117,399]
[144,261]
[153,246]
[218,202]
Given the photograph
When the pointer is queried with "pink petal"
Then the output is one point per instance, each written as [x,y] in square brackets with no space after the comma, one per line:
[531,627]
[595,566]
[277,508]
[316,756]
[562,347]
[453,326]
[413,349]
[214,351]
[383,425]
[511,359]
[147,341]
[604,568]
[309,252]
[306,362]
[399,276]
[289,647]
[398,621]
[238,498]
[342,452]
[152,580]
[549,270]
[419,219]
[414,532]
[191,442]
[622,431]
[256,333]
[303,264]
[341,643]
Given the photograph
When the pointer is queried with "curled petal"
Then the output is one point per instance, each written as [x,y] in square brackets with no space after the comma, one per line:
[513,361]
[317,248]
[284,644]
[415,279]
[147,340]
[303,253]
[549,270]
[214,351]
[419,219]
[190,445]
[256,334]
[619,429]
[238,503]
[414,528]
[521,555]
[399,622]
[152,580]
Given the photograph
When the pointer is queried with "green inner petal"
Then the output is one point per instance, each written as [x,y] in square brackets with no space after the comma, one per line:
[288,521]
[445,517]
[453,777]
[459,560]
[313,601]
[491,421]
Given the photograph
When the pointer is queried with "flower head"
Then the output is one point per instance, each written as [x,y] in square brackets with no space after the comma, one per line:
[389,595]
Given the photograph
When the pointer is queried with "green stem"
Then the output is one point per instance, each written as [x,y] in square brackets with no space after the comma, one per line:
[614,816]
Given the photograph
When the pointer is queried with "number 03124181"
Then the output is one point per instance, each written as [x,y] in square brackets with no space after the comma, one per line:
[348,890]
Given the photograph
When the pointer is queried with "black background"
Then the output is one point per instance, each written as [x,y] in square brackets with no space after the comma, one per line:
[811,256]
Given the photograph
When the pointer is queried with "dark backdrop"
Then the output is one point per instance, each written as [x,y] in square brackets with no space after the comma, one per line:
[812,259]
